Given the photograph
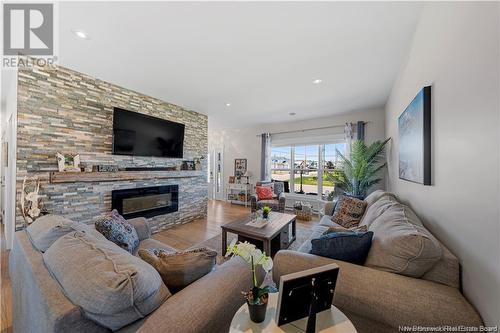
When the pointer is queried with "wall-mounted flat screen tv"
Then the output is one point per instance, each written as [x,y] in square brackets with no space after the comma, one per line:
[136,134]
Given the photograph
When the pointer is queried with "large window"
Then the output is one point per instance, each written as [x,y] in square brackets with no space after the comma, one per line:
[281,164]
[306,165]
[310,166]
[330,158]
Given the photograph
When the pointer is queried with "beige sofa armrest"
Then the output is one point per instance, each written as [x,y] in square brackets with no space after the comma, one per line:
[142,227]
[384,297]
[207,305]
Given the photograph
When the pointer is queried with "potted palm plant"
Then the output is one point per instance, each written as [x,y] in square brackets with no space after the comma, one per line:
[358,173]
[257,297]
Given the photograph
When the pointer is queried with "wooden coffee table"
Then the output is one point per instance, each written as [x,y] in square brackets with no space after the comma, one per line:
[277,234]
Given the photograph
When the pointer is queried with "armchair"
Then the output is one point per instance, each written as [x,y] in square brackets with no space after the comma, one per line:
[277,204]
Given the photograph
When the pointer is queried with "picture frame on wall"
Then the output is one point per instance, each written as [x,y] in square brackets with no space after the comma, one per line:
[240,167]
[414,130]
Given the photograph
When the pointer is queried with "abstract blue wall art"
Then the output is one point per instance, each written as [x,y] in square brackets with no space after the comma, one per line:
[414,126]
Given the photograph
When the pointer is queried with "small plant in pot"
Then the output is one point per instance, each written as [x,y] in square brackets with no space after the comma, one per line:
[257,297]
[266,210]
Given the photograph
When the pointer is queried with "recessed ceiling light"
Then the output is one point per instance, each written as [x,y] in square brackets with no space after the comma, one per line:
[317,81]
[81,34]
[228,104]
[292,113]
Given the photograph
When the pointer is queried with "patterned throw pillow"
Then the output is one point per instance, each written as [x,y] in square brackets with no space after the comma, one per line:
[116,229]
[348,211]
[180,269]
[264,192]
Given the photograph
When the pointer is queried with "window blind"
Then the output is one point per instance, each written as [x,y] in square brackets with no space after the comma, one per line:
[308,137]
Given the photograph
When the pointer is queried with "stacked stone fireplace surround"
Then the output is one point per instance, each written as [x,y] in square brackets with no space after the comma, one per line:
[61,110]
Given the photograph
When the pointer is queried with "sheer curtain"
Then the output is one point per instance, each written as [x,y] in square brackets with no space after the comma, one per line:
[265,157]
[348,134]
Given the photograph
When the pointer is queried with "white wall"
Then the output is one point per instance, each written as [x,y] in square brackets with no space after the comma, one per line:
[456,50]
[245,142]
[8,103]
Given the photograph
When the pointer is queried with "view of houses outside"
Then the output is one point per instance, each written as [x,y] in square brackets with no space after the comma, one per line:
[305,166]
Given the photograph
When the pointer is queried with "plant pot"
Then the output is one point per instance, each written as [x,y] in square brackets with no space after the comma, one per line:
[257,312]
[265,215]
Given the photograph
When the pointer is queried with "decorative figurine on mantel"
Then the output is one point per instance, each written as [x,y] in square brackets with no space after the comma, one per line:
[197,163]
[68,163]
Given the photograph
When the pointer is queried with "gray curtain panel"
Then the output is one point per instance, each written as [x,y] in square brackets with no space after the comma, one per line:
[265,157]
[360,135]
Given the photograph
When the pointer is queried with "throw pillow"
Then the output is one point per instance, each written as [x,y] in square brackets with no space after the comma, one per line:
[348,211]
[361,228]
[401,244]
[351,247]
[47,229]
[116,229]
[111,286]
[180,269]
[264,192]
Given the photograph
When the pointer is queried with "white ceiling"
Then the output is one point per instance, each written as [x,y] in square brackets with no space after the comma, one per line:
[260,57]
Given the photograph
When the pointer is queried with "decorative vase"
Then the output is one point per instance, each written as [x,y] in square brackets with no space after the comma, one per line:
[257,312]
[265,215]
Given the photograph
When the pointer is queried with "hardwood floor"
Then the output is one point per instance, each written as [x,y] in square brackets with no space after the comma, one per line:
[5,290]
[183,236]
[180,237]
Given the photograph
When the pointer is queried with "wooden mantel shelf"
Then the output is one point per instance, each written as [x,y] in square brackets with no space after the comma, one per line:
[89,177]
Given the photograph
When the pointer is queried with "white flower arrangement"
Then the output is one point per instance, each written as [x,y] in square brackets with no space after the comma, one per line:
[254,257]
[249,253]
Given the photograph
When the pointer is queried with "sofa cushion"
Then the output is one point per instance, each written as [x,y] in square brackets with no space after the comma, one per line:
[401,244]
[141,226]
[47,229]
[151,243]
[375,196]
[326,221]
[348,211]
[446,270]
[317,231]
[116,229]
[111,286]
[180,269]
[361,228]
[377,209]
[88,229]
[347,246]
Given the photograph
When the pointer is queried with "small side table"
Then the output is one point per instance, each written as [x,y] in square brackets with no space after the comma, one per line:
[329,321]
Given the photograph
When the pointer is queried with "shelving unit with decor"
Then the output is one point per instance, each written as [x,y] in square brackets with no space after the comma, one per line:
[239,193]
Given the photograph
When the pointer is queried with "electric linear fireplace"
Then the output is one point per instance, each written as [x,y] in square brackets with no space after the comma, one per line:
[146,201]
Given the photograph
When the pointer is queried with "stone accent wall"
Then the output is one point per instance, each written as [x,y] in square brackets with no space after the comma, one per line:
[61,110]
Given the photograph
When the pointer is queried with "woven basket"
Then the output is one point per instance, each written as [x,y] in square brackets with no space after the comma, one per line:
[304,214]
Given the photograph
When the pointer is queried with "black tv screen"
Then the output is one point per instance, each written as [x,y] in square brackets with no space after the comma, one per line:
[137,134]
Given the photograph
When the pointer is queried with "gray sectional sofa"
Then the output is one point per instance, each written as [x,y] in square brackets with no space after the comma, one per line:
[409,277]
[40,304]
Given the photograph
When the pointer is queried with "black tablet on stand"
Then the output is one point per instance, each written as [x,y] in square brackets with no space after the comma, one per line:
[305,293]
